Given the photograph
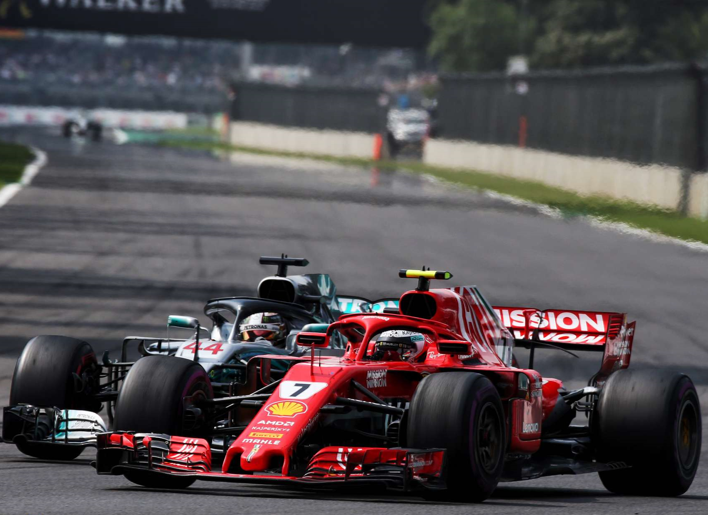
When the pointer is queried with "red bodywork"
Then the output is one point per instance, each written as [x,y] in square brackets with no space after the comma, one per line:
[267,449]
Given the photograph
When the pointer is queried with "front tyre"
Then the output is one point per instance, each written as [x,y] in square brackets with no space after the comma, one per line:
[652,421]
[45,376]
[157,397]
[462,413]
[156,394]
[151,480]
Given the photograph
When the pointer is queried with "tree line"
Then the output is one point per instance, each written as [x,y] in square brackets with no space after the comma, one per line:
[480,35]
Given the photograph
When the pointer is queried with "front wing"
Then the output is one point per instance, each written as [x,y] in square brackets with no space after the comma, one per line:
[332,467]
[31,427]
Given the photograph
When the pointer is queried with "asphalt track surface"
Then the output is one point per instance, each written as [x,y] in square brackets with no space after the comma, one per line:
[110,240]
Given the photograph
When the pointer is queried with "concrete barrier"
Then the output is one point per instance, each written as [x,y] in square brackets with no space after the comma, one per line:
[308,141]
[53,116]
[698,198]
[654,184]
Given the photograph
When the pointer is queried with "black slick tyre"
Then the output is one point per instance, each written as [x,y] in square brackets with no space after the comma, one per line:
[67,129]
[651,420]
[462,413]
[152,400]
[44,377]
[151,480]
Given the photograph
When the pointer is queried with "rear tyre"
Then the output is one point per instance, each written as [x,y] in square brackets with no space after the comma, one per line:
[152,400]
[462,413]
[44,377]
[67,129]
[652,421]
[95,130]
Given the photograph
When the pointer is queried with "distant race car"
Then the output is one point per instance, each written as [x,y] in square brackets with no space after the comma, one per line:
[59,386]
[407,128]
[80,125]
[426,399]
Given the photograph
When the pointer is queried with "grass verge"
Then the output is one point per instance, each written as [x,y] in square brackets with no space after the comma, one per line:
[662,221]
[13,159]
[206,132]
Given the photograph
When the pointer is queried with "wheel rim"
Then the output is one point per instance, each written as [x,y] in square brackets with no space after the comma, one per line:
[190,423]
[488,439]
[687,435]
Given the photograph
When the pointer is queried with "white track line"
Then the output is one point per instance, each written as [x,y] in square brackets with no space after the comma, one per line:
[121,138]
[9,191]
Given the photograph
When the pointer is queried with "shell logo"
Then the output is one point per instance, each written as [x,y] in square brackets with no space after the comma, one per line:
[288,409]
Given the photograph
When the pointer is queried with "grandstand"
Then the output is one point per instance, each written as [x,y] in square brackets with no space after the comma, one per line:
[162,73]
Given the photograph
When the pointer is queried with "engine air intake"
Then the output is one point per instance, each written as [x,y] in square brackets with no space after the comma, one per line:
[277,289]
[418,305]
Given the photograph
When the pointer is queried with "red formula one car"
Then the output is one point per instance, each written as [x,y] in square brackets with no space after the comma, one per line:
[428,399]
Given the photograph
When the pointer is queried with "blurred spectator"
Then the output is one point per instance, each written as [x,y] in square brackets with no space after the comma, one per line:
[94,60]
[205,65]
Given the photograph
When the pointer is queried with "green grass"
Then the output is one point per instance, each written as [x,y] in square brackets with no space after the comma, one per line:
[195,131]
[13,159]
[662,221]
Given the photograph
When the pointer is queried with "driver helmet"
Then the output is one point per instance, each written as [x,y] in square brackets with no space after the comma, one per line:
[264,326]
[398,345]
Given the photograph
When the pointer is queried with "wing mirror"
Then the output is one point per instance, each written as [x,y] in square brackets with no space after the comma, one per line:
[183,322]
[314,340]
[186,323]
[455,347]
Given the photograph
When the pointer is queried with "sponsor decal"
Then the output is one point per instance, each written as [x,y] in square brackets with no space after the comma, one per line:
[435,355]
[555,320]
[251,327]
[276,423]
[376,378]
[253,451]
[307,428]
[287,409]
[257,434]
[417,462]
[266,428]
[299,389]
[380,306]
[587,339]
[622,349]
[530,428]
[261,441]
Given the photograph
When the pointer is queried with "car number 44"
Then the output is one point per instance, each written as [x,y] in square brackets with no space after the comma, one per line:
[214,348]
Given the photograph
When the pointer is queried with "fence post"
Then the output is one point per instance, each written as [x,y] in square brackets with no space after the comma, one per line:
[698,72]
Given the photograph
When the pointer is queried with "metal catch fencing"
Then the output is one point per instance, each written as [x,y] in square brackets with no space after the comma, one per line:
[331,108]
[645,115]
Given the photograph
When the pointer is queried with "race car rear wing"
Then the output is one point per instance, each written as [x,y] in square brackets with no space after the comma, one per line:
[565,328]
[606,332]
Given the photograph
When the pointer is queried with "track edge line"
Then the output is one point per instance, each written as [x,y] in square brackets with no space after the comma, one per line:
[30,171]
